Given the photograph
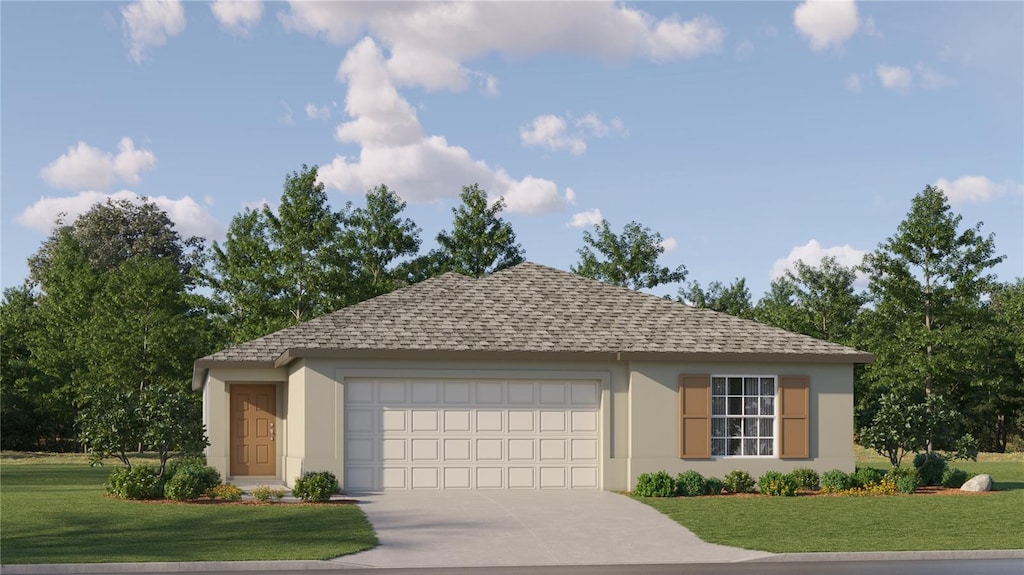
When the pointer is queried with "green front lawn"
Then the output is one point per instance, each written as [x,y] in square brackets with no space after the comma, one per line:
[880,523]
[58,514]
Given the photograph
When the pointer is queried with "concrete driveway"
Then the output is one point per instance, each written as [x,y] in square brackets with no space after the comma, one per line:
[472,528]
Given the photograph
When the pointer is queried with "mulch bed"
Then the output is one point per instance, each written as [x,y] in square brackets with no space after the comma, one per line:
[246,502]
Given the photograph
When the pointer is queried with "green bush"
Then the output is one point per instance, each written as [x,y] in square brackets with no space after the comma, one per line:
[177,463]
[657,484]
[835,481]
[191,481]
[775,483]
[690,484]
[277,494]
[806,478]
[739,481]
[866,477]
[225,491]
[261,493]
[906,479]
[954,478]
[315,486]
[713,486]
[930,467]
[138,482]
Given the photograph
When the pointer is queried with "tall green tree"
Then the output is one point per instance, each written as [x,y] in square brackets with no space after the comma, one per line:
[996,395]
[480,242]
[819,301]
[135,389]
[926,285]
[733,299]
[375,237]
[629,259]
[277,269]
[118,315]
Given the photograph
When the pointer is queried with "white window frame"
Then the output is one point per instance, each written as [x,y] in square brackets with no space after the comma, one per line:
[726,416]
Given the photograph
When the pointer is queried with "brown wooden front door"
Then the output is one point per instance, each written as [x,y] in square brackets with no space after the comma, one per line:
[253,430]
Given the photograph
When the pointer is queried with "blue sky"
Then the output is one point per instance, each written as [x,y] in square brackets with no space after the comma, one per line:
[747,134]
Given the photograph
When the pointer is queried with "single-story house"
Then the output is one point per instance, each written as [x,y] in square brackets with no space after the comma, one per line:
[529,378]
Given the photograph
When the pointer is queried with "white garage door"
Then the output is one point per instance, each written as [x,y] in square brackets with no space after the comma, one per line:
[471,434]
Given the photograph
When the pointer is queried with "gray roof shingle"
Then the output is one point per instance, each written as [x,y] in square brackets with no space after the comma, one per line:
[530,308]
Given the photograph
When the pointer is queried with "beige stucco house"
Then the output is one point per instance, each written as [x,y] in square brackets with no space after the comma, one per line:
[530,378]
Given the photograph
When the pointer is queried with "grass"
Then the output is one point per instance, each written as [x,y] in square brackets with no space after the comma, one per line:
[892,523]
[57,513]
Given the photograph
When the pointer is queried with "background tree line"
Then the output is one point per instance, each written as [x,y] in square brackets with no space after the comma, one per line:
[98,344]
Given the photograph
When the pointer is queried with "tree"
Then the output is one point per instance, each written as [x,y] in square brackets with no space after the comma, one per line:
[279,269]
[136,389]
[819,301]
[628,260]
[480,242]
[901,426]
[121,321]
[926,284]
[375,237]
[996,402]
[733,299]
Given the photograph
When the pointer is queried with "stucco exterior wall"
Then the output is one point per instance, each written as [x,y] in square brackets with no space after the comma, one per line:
[639,410]
[654,404]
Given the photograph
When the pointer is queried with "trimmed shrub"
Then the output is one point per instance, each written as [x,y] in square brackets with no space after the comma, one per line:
[866,477]
[930,467]
[190,482]
[315,486]
[138,482]
[835,481]
[261,493]
[954,478]
[905,479]
[775,483]
[713,486]
[657,484]
[177,463]
[277,494]
[806,478]
[739,481]
[690,484]
[225,491]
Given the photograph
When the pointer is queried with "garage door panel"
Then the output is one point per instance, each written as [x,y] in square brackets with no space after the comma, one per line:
[456,420]
[469,434]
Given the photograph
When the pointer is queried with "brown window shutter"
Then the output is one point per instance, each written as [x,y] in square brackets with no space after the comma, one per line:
[695,416]
[794,417]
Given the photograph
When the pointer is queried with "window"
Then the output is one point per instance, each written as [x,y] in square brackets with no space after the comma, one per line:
[743,416]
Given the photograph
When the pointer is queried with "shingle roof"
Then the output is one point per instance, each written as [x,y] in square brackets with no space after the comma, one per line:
[529,308]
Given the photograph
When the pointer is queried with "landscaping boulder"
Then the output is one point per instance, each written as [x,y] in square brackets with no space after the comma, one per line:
[981,482]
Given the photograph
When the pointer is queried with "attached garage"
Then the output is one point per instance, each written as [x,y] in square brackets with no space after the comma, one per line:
[530,378]
[471,434]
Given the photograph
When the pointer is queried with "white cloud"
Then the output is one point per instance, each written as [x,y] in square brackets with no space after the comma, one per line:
[237,16]
[931,79]
[84,166]
[585,219]
[813,252]
[826,22]
[429,42]
[967,189]
[287,118]
[189,217]
[549,131]
[669,244]
[870,29]
[597,127]
[852,83]
[744,49]
[894,77]
[395,150]
[151,23]
[314,112]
